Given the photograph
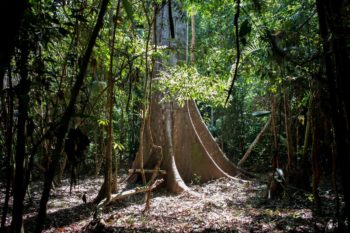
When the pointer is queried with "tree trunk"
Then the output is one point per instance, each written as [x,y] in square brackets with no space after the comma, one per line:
[333,32]
[101,150]
[307,134]
[193,41]
[63,164]
[274,116]
[109,183]
[19,188]
[189,148]
[290,144]
[256,140]
[62,129]
[109,148]
[315,150]
[8,124]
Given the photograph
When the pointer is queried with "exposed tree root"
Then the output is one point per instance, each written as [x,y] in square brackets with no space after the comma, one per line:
[212,147]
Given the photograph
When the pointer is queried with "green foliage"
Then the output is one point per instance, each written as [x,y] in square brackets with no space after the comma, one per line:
[280,49]
[185,82]
[102,122]
[196,179]
[128,9]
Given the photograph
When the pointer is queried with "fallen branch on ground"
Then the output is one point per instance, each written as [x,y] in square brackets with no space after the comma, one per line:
[136,190]
[123,195]
[163,172]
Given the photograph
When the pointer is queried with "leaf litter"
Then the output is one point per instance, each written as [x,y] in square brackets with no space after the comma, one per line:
[222,205]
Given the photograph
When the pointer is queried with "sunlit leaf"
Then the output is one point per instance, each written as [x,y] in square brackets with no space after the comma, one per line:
[102,122]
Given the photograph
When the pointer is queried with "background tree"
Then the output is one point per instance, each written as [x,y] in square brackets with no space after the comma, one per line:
[135,95]
[332,20]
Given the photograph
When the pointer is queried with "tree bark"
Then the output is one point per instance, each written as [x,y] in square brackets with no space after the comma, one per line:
[110,103]
[189,149]
[101,150]
[315,148]
[275,158]
[290,144]
[193,41]
[307,134]
[174,180]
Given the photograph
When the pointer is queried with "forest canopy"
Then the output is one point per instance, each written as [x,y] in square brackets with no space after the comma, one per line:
[170,94]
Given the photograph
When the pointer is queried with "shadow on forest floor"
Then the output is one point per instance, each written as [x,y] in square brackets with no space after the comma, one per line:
[222,205]
[64,209]
[63,217]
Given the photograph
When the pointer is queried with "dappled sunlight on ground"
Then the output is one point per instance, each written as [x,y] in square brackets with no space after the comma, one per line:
[221,205]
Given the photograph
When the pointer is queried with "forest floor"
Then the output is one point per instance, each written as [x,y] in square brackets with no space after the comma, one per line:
[223,205]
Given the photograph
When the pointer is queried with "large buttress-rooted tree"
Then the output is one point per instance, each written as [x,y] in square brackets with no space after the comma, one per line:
[188,150]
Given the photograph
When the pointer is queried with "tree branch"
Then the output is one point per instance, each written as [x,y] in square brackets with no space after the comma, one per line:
[62,129]
[237,48]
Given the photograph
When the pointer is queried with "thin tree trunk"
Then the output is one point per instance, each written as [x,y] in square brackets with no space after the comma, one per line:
[193,41]
[62,130]
[290,145]
[63,164]
[307,135]
[96,154]
[23,103]
[8,141]
[256,140]
[109,183]
[275,162]
[315,163]
[110,93]
[334,176]
[101,151]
